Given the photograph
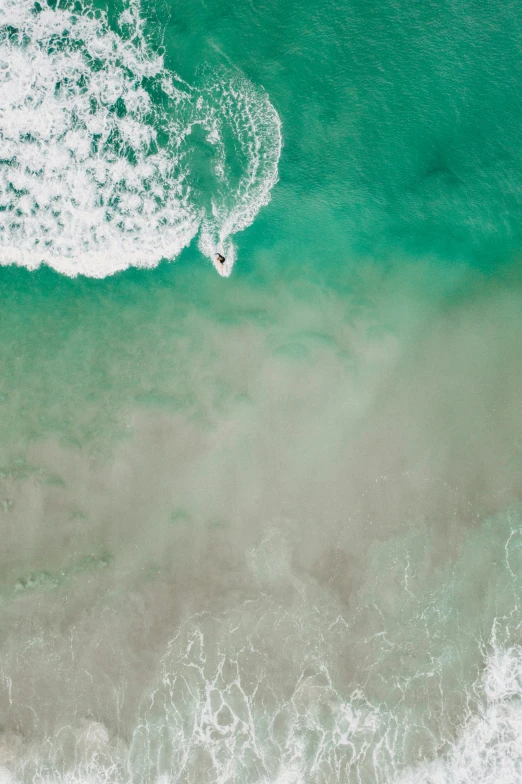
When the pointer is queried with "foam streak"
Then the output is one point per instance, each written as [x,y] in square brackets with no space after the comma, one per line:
[85,184]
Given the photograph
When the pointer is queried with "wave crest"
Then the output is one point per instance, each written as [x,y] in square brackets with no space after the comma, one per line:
[95,133]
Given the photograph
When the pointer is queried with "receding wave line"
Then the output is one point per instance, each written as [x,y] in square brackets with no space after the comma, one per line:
[215,713]
[95,172]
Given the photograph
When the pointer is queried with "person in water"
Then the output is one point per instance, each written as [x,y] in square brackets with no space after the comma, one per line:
[220,258]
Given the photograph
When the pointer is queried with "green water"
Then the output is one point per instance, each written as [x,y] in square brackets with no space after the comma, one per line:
[401,124]
[266,528]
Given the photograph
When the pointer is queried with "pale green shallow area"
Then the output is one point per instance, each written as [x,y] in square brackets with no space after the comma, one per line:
[267,529]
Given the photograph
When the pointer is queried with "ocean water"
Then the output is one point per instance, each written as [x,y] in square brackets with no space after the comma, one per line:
[261,523]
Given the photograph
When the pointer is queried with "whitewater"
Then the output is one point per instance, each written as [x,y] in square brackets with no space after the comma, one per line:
[267,529]
[96,143]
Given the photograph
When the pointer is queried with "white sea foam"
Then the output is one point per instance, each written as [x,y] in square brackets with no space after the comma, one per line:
[86,186]
[488,749]
[223,709]
[217,714]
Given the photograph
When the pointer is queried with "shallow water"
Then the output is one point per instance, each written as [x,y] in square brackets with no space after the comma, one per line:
[264,527]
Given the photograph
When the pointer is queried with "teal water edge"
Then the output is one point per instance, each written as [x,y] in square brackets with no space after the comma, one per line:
[260,522]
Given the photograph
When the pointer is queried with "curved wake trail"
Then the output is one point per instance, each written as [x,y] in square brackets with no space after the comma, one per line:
[96,140]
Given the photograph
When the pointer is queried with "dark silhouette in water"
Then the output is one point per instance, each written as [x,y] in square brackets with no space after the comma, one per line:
[220,258]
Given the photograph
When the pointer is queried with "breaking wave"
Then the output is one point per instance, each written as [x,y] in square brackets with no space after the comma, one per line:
[218,714]
[96,166]
[489,747]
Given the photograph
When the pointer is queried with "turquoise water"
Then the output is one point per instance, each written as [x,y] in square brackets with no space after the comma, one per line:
[260,523]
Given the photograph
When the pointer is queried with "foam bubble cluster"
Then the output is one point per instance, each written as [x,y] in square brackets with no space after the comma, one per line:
[217,714]
[95,171]
[489,747]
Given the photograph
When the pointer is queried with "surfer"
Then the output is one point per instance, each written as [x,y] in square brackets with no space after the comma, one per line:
[220,258]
